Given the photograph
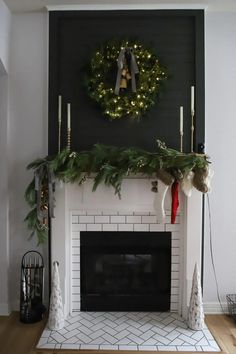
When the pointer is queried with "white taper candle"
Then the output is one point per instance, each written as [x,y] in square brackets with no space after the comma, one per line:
[59,108]
[68,116]
[181,119]
[192,99]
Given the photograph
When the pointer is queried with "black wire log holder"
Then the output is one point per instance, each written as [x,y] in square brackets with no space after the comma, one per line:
[32,283]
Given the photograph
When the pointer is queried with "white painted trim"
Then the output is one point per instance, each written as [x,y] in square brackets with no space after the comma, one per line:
[114,7]
[4,309]
[215,308]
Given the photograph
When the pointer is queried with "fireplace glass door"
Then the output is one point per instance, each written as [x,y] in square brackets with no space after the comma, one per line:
[125,271]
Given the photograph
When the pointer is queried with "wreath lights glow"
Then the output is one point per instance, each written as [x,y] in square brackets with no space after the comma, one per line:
[102,78]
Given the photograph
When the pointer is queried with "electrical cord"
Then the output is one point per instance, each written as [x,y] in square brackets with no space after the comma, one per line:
[211,252]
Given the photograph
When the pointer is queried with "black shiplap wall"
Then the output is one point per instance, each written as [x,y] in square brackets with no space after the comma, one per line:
[178,39]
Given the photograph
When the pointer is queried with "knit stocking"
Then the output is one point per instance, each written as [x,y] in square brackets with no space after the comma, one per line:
[159,201]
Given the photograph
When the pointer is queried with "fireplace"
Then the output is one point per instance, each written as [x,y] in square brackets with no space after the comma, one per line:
[79,210]
[125,271]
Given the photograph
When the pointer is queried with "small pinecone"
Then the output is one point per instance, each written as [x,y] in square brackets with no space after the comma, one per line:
[199,179]
[165,177]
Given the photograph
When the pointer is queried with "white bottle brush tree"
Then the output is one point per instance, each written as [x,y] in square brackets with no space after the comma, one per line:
[56,313]
[195,312]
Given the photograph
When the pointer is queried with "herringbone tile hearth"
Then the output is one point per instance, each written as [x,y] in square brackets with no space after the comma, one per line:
[128,331]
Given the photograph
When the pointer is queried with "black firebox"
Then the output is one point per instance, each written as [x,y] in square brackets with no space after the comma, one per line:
[125,271]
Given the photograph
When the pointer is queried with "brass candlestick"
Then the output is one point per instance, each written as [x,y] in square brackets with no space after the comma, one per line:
[68,139]
[181,135]
[192,129]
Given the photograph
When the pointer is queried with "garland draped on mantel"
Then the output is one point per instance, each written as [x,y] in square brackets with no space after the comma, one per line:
[108,165]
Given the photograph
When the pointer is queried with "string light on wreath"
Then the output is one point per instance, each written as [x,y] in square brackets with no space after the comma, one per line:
[139,78]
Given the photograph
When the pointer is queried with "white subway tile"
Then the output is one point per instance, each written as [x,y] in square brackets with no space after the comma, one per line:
[75,282]
[177,220]
[141,227]
[76,305]
[75,290]
[168,348]
[174,259]
[118,219]
[168,211]
[175,267]
[147,347]
[175,235]
[174,275]
[109,227]
[75,235]
[128,347]
[70,346]
[174,283]
[75,266]
[79,227]
[108,347]
[75,298]
[174,298]
[133,219]
[74,219]
[102,219]
[76,250]
[167,219]
[86,219]
[125,227]
[75,243]
[74,258]
[94,227]
[174,291]
[175,251]
[89,346]
[174,307]
[175,243]
[157,227]
[172,227]
[151,219]
[75,274]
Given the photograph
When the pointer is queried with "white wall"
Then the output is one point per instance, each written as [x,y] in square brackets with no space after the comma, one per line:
[5,19]
[27,127]
[221,146]
[28,137]
[5,22]
[4,198]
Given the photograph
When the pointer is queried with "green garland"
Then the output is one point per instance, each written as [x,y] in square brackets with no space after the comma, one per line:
[108,165]
[102,78]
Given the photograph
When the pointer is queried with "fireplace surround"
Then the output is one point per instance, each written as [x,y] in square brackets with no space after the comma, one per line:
[79,209]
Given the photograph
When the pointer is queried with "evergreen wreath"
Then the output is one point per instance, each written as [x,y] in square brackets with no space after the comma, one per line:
[102,74]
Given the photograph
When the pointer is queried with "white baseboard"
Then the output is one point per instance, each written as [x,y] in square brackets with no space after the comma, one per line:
[215,308]
[4,309]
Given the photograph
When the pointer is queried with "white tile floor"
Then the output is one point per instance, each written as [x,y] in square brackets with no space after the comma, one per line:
[128,331]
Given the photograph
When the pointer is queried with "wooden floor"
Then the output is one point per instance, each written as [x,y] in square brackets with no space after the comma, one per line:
[18,338]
